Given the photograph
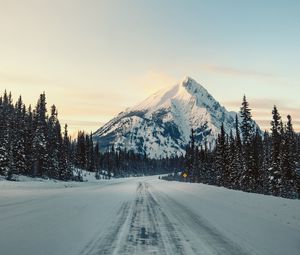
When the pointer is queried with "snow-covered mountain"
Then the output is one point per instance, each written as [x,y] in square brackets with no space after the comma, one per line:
[161,125]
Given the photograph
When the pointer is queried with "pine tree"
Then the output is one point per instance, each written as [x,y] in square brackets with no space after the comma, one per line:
[247,122]
[91,156]
[247,130]
[237,133]
[97,159]
[64,159]
[54,142]
[18,138]
[206,168]
[288,159]
[221,159]
[232,167]
[257,184]
[266,164]
[28,140]
[237,164]
[190,157]
[87,152]
[9,116]
[40,152]
[80,156]
[198,165]
[275,172]
[4,136]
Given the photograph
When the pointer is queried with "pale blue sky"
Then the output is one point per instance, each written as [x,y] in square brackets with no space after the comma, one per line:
[95,58]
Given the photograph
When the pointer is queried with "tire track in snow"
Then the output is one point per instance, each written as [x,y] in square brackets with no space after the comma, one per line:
[156,224]
[149,232]
[107,243]
[203,238]
[145,230]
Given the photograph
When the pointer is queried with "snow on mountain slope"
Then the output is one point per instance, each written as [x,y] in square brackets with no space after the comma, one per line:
[161,125]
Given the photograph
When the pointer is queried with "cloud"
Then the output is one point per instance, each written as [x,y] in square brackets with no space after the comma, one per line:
[233,71]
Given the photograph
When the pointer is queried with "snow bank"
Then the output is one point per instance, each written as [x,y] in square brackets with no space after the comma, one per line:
[262,224]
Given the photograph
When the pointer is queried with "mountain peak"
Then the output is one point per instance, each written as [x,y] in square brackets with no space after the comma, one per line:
[185,90]
[160,126]
[193,86]
[186,79]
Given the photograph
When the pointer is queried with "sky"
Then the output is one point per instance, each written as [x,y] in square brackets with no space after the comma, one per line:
[94,58]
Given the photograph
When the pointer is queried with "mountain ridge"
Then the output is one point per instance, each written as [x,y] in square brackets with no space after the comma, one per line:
[160,126]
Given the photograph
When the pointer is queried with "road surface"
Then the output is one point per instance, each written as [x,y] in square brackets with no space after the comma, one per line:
[130,216]
[153,223]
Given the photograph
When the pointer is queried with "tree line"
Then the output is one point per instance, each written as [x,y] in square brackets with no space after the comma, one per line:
[245,159]
[33,144]
[115,161]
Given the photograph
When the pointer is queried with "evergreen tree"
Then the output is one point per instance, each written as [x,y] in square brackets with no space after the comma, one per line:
[18,138]
[237,162]
[198,164]
[247,130]
[91,155]
[65,163]
[232,167]
[275,172]
[80,157]
[87,152]
[97,159]
[40,152]
[54,143]
[221,159]
[288,160]
[190,157]
[4,136]
[266,164]
[28,140]
[257,184]
[9,116]
[247,122]
[237,134]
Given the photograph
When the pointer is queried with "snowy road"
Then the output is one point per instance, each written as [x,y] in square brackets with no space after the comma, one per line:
[144,216]
[155,224]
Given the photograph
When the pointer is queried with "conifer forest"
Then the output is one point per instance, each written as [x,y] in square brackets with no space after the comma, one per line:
[33,143]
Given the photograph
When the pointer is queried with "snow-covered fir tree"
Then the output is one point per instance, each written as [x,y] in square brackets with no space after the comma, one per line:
[275,173]
[190,157]
[65,166]
[222,158]
[30,142]
[247,131]
[4,136]
[41,158]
